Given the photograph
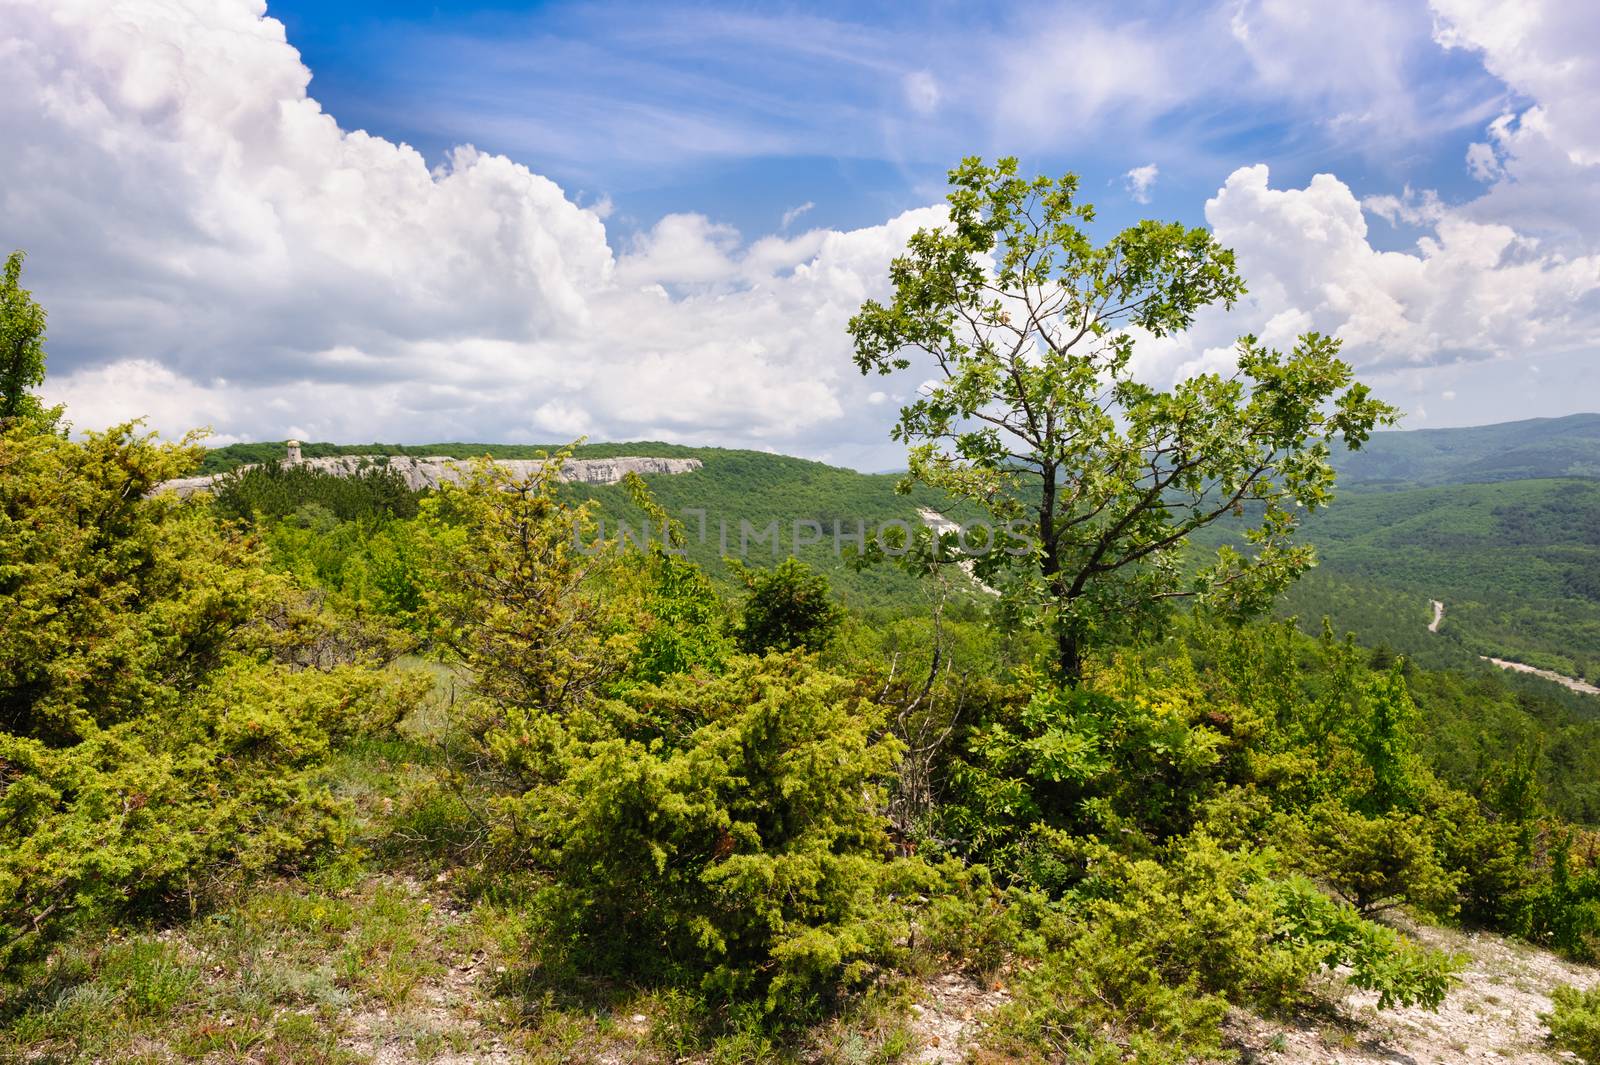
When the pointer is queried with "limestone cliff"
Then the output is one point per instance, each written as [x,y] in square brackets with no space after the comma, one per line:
[432,470]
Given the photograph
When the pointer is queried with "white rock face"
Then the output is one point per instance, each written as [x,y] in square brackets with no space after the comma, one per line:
[434,470]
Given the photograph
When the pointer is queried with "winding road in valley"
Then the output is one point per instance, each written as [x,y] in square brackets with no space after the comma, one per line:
[1520,667]
[1560,678]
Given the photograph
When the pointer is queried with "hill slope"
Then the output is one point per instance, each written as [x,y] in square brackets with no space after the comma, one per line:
[729,507]
[1421,515]
[1517,565]
[1536,448]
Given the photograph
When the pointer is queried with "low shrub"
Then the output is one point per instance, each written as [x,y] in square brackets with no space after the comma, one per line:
[151,813]
[1079,762]
[1574,1021]
[1376,863]
[1141,962]
[721,830]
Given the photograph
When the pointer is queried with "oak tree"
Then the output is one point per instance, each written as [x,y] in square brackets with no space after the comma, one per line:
[1034,410]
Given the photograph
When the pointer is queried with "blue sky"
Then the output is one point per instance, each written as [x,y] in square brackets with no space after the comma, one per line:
[498,221]
[745,111]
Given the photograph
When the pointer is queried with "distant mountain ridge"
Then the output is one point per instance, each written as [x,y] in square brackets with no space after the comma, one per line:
[1404,458]
[1500,522]
[1508,451]
[232,456]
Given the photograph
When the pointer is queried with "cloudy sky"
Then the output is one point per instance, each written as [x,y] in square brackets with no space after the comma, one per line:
[382,219]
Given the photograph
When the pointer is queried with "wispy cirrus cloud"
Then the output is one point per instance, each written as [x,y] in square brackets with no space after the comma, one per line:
[670,83]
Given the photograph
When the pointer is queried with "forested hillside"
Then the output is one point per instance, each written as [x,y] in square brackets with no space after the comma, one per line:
[1536,448]
[728,506]
[1517,562]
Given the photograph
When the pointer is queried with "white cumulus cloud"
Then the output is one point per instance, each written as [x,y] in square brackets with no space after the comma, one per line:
[215,249]
[1467,292]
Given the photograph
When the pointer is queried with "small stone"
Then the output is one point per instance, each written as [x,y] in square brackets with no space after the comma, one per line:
[638,1018]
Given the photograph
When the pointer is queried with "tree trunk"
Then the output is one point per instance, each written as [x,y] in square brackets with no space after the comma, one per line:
[1069,655]
[1069,643]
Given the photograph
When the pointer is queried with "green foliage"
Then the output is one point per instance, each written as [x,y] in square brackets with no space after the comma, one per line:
[785,608]
[1035,412]
[21,346]
[156,733]
[114,605]
[382,569]
[1562,908]
[1160,836]
[683,620]
[1385,741]
[1078,763]
[721,830]
[1574,1021]
[755,507]
[275,490]
[1144,960]
[1379,958]
[681,617]
[971,921]
[507,590]
[1378,862]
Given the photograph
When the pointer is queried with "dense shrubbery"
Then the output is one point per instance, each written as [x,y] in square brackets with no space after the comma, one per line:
[275,490]
[700,815]
[1146,958]
[156,732]
[719,829]
[115,605]
[1210,820]
[718,820]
